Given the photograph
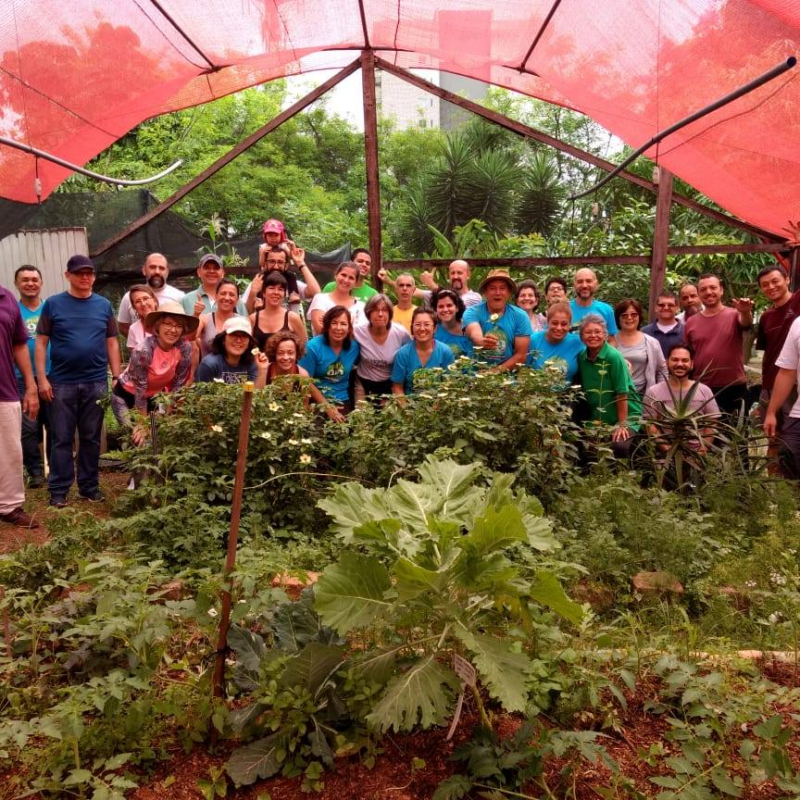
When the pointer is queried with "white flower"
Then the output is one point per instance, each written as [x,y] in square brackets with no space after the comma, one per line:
[212,612]
[305,458]
[216,428]
[274,407]
[778,579]
[218,380]
[299,416]
[305,441]
[775,617]
[494,318]
[750,584]
[293,442]
[266,435]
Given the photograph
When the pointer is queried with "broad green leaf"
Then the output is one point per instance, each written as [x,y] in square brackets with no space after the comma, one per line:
[725,783]
[256,761]
[320,746]
[240,718]
[311,666]
[494,530]
[295,624]
[547,590]
[351,505]
[769,728]
[418,696]
[412,503]
[504,673]
[377,665]
[350,593]
[249,647]
[77,776]
[413,580]
[453,484]
[540,533]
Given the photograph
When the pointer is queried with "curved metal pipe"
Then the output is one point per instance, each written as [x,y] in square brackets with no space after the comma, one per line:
[723,101]
[75,168]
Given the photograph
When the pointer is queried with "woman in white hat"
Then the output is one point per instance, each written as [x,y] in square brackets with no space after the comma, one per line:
[161,363]
[231,359]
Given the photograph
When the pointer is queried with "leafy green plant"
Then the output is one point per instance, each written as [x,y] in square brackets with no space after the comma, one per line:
[434,580]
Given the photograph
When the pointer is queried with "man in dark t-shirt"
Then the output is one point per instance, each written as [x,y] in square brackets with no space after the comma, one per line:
[82,332]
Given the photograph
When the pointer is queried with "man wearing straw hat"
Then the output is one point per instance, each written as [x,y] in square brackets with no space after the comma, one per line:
[501,329]
[82,332]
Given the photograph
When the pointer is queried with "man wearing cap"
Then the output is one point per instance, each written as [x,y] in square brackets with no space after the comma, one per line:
[82,332]
[156,272]
[13,350]
[202,300]
[586,284]
[502,330]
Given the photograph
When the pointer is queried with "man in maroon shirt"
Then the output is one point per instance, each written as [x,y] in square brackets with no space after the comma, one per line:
[14,350]
[772,329]
[716,334]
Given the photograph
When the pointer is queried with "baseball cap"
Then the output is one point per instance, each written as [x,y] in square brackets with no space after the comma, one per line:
[210,257]
[237,325]
[273,226]
[77,262]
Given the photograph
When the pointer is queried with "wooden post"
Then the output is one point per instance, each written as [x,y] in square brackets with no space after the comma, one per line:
[218,686]
[658,267]
[223,161]
[793,264]
[371,159]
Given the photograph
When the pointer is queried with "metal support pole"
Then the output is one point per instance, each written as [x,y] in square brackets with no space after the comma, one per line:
[794,258]
[371,158]
[218,685]
[658,266]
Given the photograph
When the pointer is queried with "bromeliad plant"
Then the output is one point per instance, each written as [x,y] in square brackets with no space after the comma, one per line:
[427,575]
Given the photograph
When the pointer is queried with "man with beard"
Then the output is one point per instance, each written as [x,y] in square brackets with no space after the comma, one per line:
[717,333]
[156,272]
[585,285]
[689,301]
[363,291]
[662,396]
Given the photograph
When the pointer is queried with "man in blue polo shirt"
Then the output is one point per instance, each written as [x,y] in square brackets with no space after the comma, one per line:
[502,330]
[82,332]
[586,284]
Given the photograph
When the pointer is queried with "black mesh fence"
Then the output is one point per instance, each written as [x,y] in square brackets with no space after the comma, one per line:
[104,214]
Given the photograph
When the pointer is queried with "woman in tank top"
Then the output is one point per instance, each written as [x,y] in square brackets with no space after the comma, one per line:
[273,317]
[213,323]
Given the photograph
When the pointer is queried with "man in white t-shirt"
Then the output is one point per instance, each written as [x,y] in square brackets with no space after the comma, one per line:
[788,378]
[156,272]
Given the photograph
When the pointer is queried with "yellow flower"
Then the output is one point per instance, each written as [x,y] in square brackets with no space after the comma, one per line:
[216,428]
[274,407]
[305,458]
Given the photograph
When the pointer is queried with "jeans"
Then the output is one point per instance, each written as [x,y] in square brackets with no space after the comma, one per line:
[31,436]
[789,437]
[75,407]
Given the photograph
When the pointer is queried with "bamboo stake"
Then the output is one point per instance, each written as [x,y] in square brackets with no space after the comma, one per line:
[218,687]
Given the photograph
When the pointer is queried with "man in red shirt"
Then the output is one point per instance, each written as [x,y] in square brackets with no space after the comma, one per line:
[772,330]
[716,334]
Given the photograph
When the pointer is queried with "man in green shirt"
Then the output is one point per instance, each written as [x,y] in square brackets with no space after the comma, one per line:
[361,290]
[607,386]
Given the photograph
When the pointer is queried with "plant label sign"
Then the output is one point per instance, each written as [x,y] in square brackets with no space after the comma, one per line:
[464,670]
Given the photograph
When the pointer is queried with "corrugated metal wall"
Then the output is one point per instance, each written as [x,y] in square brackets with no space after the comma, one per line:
[47,249]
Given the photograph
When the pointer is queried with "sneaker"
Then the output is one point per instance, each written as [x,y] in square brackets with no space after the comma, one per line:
[57,501]
[93,497]
[19,518]
[36,481]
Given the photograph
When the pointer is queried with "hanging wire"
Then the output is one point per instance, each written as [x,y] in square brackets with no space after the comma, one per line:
[34,151]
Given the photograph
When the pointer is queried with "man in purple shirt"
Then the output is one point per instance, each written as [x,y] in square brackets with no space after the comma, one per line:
[14,350]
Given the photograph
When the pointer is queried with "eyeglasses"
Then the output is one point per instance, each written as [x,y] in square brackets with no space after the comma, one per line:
[279,261]
[211,265]
[172,326]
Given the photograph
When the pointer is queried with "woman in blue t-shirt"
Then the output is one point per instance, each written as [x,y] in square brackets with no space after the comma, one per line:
[331,356]
[423,353]
[557,347]
[449,308]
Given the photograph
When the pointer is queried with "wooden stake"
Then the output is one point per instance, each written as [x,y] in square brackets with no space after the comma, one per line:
[658,268]
[371,157]
[218,682]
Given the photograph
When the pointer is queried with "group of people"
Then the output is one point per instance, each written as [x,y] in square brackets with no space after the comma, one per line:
[55,355]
